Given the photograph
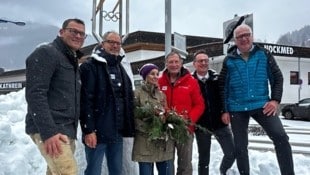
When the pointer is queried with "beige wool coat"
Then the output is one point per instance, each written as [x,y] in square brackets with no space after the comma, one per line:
[145,150]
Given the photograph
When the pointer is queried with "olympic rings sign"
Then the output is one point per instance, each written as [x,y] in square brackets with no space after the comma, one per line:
[110,16]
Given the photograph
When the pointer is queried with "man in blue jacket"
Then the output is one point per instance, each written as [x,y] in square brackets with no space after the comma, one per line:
[106,106]
[53,97]
[247,70]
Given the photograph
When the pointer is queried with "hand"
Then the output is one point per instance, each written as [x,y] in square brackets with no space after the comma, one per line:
[91,140]
[159,111]
[52,145]
[162,118]
[225,118]
[270,108]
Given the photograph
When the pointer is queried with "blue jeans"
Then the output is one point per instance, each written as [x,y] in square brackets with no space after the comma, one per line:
[94,158]
[274,129]
[225,139]
[163,168]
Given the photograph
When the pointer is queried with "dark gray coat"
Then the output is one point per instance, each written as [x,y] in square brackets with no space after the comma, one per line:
[52,91]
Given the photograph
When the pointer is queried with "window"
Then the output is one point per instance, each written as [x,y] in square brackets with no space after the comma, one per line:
[294,77]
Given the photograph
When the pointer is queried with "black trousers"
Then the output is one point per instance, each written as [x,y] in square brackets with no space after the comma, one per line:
[225,139]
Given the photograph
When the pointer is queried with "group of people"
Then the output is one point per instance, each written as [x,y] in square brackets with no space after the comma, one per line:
[99,96]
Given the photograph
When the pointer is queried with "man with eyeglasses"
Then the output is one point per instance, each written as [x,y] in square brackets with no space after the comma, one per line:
[211,117]
[75,32]
[106,106]
[53,97]
[247,70]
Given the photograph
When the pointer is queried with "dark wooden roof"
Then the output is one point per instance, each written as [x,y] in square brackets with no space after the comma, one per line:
[154,39]
[159,61]
[159,38]
[13,72]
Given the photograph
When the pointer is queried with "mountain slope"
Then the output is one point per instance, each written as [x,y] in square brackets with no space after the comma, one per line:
[17,42]
[299,37]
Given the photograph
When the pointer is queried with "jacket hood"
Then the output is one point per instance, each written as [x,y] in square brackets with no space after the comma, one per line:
[98,58]
[101,55]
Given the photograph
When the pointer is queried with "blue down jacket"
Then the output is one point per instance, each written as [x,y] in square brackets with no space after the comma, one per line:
[245,84]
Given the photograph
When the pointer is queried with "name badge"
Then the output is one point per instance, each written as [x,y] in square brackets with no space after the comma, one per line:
[112,76]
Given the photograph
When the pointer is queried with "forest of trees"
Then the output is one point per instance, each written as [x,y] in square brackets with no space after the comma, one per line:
[296,38]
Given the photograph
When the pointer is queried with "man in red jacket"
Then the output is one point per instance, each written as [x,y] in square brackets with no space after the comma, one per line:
[184,96]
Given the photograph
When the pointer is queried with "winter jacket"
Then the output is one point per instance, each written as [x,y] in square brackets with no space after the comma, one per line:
[211,117]
[52,90]
[98,100]
[145,150]
[244,84]
[184,95]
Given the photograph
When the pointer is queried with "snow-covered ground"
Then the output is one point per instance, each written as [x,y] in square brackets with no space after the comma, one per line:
[18,154]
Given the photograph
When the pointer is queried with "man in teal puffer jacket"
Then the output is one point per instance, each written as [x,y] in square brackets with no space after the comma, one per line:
[247,70]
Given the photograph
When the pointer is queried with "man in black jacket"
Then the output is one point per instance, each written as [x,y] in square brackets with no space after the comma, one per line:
[52,94]
[211,118]
[106,106]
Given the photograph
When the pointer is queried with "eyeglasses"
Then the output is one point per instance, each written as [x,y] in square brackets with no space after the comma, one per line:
[245,35]
[75,32]
[202,61]
[113,42]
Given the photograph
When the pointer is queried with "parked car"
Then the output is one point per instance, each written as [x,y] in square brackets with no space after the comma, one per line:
[297,110]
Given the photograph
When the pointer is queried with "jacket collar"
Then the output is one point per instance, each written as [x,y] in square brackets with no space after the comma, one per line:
[212,75]
[101,55]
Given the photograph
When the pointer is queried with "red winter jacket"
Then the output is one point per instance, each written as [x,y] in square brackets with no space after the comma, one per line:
[184,96]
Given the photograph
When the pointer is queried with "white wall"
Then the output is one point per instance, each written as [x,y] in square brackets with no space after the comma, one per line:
[292,92]
[141,55]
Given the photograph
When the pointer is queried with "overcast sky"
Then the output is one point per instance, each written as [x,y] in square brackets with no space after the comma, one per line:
[272,18]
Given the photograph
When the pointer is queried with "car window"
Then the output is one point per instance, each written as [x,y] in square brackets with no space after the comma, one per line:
[305,101]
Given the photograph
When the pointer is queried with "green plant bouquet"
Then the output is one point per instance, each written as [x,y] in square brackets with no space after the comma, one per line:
[161,125]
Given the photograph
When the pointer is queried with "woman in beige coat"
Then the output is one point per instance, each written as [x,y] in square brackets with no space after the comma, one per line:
[146,151]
